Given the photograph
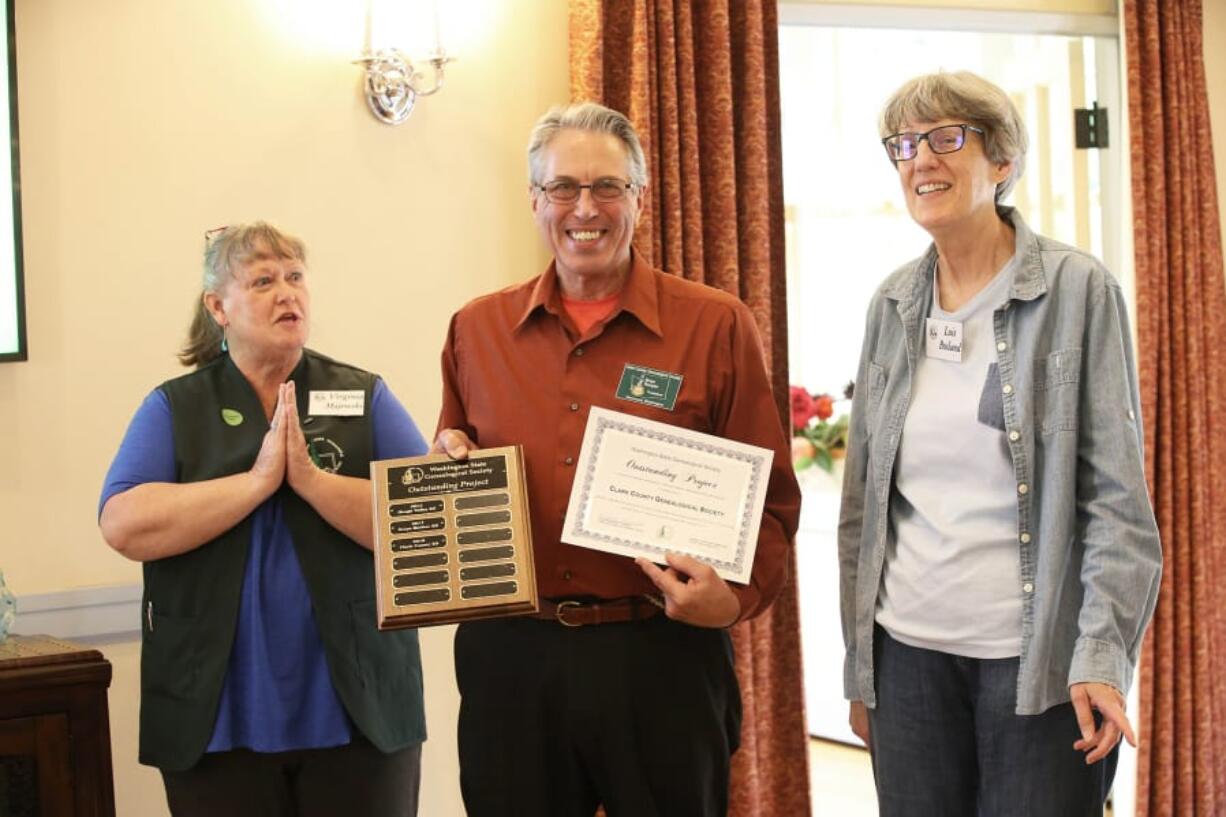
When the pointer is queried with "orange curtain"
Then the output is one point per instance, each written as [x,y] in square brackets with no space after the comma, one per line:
[700,81]
[1181,334]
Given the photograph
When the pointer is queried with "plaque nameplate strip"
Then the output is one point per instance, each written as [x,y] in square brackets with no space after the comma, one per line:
[468,503]
[417,579]
[468,520]
[418,543]
[487,554]
[415,525]
[481,537]
[413,508]
[478,591]
[417,562]
[495,571]
[442,594]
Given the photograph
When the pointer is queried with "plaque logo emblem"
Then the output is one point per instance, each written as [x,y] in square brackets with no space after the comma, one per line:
[412,476]
[326,454]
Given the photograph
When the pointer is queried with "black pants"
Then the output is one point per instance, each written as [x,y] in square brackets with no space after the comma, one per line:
[947,743]
[642,717]
[355,781]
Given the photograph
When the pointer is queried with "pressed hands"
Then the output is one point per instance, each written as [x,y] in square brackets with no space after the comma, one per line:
[283,454]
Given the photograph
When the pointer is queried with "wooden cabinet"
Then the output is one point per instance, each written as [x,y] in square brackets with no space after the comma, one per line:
[55,736]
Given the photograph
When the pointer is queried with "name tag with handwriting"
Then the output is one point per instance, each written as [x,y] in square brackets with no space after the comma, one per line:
[338,403]
[944,340]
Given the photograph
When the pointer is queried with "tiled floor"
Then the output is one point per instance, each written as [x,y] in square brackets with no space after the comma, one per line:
[841,780]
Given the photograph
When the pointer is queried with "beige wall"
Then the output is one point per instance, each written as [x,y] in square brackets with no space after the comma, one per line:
[146,122]
[1215,76]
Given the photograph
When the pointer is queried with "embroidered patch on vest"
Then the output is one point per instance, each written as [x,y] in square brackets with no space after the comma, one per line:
[326,454]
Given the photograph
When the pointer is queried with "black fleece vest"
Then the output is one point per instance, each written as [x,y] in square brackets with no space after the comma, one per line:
[191,601]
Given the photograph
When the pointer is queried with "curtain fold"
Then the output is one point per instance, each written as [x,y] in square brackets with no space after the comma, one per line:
[1181,342]
[700,81]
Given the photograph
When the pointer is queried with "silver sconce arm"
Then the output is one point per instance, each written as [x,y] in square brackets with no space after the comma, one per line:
[393,82]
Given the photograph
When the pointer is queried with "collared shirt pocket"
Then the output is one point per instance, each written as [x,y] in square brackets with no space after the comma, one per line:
[1057,380]
[991,401]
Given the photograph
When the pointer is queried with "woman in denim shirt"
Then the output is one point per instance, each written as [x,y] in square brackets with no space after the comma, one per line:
[998,554]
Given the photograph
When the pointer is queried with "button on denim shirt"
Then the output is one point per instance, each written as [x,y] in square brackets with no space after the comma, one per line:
[1068,409]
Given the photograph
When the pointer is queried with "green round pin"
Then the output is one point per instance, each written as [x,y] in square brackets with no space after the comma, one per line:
[232,417]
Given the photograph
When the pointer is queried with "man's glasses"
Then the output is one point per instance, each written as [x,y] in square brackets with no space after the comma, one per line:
[565,191]
[902,147]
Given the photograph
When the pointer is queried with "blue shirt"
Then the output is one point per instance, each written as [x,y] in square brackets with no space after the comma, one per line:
[278,694]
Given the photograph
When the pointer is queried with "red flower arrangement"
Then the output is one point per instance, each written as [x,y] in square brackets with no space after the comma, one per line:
[816,440]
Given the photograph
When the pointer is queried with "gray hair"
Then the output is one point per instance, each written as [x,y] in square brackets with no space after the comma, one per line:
[229,249]
[588,116]
[963,95]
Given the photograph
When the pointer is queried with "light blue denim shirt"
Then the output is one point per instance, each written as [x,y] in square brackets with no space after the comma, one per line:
[1087,539]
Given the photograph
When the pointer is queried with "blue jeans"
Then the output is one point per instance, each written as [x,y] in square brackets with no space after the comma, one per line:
[946,742]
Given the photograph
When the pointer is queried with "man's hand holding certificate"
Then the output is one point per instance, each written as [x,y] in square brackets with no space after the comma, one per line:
[646,489]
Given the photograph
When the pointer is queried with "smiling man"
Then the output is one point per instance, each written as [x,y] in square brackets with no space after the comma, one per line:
[622,692]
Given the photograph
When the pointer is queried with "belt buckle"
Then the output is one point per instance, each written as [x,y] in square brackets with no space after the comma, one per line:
[558,613]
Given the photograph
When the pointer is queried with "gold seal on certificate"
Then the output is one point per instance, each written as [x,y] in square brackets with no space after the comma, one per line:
[644,488]
[453,541]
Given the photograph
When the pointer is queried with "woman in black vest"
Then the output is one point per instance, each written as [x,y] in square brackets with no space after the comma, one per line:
[243,489]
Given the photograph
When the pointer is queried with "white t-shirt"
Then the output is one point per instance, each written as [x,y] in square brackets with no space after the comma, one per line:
[952,567]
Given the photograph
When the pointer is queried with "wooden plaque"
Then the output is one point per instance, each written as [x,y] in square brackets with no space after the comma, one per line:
[453,541]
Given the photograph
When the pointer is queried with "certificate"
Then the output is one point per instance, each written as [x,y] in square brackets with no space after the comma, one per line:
[644,488]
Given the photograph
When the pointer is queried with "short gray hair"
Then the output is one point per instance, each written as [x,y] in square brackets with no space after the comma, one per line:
[588,116]
[963,95]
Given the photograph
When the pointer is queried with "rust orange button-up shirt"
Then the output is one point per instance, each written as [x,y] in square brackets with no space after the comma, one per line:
[516,371]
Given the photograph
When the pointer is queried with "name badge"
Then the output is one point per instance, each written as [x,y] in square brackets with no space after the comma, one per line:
[338,403]
[944,340]
[650,387]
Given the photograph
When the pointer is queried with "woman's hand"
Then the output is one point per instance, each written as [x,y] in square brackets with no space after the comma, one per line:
[343,502]
[857,717]
[1098,741]
[300,470]
[269,468]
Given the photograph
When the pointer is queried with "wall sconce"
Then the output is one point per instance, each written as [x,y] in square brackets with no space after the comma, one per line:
[394,81]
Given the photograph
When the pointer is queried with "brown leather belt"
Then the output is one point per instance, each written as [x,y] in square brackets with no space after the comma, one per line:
[571,613]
